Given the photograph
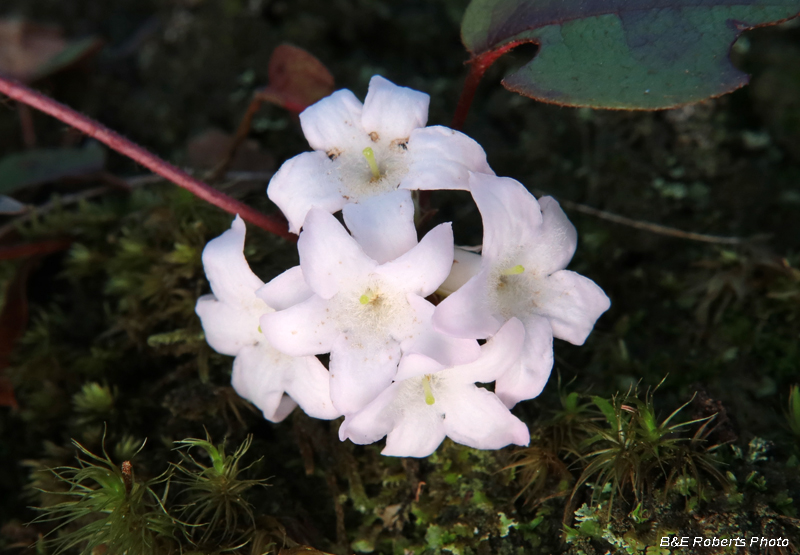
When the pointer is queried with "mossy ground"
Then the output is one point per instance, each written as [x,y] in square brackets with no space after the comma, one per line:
[113,343]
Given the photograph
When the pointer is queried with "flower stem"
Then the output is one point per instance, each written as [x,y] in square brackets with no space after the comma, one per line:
[21,93]
[477,67]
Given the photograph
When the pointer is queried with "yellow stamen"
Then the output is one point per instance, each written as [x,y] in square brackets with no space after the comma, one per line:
[364,299]
[259,329]
[369,154]
[426,387]
[518,269]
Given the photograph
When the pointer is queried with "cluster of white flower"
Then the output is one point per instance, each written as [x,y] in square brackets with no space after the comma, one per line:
[399,366]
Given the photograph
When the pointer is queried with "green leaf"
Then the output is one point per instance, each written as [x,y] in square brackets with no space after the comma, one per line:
[643,54]
[35,167]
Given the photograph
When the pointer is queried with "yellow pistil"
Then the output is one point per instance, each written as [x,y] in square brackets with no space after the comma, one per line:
[426,386]
[518,269]
[369,154]
[364,299]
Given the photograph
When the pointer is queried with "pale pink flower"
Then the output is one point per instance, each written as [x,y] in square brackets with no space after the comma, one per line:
[526,246]
[271,380]
[366,312]
[429,401]
[362,151]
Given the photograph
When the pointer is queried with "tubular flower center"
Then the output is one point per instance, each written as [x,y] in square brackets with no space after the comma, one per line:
[369,154]
[426,387]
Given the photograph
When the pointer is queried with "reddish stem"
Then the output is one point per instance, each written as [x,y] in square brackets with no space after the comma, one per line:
[477,67]
[11,252]
[90,127]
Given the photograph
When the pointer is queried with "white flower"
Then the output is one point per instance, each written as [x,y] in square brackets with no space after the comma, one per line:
[428,401]
[364,151]
[365,313]
[261,374]
[526,246]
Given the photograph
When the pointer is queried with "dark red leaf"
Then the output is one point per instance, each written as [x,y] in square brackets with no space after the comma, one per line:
[22,250]
[296,79]
[31,51]
[14,316]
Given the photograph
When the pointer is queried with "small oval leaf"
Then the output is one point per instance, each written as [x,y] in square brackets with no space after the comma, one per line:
[623,54]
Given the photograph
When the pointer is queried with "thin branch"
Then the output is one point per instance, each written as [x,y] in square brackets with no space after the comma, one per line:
[66,200]
[21,93]
[477,67]
[239,138]
[651,227]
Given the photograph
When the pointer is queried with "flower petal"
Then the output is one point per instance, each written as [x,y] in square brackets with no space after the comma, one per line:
[441,158]
[466,265]
[373,421]
[334,122]
[393,112]
[228,328]
[330,258]
[467,312]
[557,239]
[286,290]
[285,408]
[309,385]
[256,380]
[302,183]
[417,434]
[360,371]
[422,269]
[262,375]
[477,418]
[227,270]
[573,304]
[302,330]
[383,225]
[443,348]
[526,379]
[511,215]
[497,355]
